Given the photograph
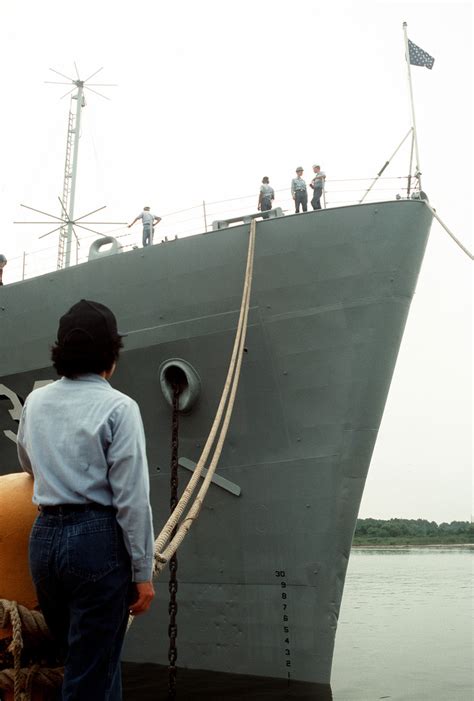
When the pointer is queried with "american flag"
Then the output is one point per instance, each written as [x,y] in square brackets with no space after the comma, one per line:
[418,57]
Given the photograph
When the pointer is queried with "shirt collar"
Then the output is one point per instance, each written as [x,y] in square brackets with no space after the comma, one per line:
[87,377]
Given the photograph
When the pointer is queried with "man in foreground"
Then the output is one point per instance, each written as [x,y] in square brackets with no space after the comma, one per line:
[91,547]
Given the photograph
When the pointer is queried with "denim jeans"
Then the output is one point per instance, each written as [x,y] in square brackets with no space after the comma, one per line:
[148,232]
[82,574]
[265,206]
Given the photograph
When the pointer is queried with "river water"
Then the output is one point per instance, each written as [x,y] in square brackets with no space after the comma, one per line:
[405,633]
[405,629]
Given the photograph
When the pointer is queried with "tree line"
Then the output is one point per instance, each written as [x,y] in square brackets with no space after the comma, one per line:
[398,531]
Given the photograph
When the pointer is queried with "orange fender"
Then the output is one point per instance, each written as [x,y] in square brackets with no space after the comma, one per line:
[17,514]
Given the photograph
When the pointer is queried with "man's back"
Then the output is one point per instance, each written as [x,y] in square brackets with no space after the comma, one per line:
[91,546]
[67,428]
[147,217]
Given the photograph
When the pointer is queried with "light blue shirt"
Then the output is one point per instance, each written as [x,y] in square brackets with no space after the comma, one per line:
[298,184]
[318,180]
[83,441]
[147,218]
[267,191]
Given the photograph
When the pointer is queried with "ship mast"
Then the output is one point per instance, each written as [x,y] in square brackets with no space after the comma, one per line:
[72,152]
[70,173]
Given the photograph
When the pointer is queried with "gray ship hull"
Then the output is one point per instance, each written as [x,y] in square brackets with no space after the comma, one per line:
[261,574]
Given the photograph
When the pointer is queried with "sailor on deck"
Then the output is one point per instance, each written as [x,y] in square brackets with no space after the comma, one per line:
[317,184]
[149,220]
[299,192]
[266,195]
[3,262]
[91,546]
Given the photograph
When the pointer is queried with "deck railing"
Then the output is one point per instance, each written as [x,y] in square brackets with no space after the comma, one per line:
[200,217]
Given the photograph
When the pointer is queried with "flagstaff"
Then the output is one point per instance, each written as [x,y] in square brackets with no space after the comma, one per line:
[416,56]
[415,137]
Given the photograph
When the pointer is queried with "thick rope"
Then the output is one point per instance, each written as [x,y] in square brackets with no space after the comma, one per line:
[228,395]
[25,624]
[41,676]
[32,622]
[171,523]
[16,645]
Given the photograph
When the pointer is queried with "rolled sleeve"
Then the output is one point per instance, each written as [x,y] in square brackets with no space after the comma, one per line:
[130,485]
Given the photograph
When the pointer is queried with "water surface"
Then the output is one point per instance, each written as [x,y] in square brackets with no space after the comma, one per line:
[406,626]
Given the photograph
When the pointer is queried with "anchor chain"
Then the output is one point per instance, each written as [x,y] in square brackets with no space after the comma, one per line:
[173,564]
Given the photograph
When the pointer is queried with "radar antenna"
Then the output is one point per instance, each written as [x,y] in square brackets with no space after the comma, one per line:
[66,220]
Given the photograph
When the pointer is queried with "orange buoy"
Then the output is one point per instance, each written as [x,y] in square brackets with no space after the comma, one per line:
[17,513]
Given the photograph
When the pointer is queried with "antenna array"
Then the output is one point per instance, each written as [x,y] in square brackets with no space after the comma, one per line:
[67,220]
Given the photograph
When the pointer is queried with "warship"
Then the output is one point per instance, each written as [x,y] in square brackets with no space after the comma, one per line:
[261,573]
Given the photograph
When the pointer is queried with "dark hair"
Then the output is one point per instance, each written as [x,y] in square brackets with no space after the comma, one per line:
[265,179]
[71,360]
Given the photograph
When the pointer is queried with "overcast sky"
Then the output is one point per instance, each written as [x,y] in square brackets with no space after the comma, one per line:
[211,96]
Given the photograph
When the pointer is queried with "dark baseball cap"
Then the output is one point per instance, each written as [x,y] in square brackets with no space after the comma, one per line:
[88,323]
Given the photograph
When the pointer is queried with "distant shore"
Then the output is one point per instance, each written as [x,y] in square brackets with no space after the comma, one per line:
[401,532]
[411,545]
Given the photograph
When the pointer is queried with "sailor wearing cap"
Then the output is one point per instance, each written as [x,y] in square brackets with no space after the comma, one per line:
[317,183]
[299,192]
[149,220]
[91,546]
